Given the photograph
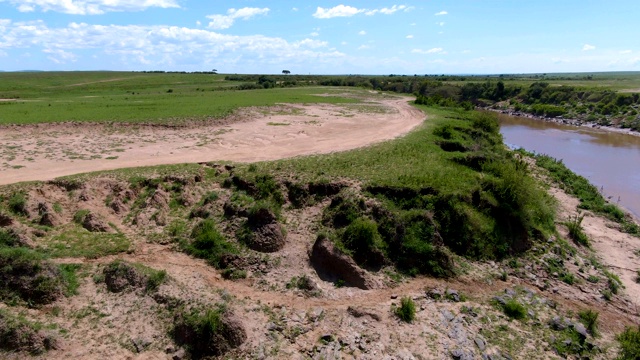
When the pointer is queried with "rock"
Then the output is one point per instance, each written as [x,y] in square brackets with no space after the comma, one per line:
[581,330]
[179,355]
[394,296]
[448,316]
[118,206]
[140,344]
[510,292]
[327,338]
[48,216]
[333,265]
[557,324]
[94,223]
[480,343]
[5,220]
[453,295]
[358,312]
[120,275]
[435,293]
[267,238]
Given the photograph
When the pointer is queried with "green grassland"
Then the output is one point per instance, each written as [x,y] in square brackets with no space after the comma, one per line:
[134,97]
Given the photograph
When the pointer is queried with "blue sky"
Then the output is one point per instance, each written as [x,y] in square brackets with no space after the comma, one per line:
[321,37]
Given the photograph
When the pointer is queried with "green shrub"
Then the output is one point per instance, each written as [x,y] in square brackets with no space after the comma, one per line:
[8,238]
[209,198]
[18,203]
[69,276]
[576,233]
[155,279]
[407,310]
[362,236]
[513,309]
[208,243]
[80,215]
[590,320]
[629,341]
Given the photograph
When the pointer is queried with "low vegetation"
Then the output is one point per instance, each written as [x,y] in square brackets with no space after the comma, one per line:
[407,310]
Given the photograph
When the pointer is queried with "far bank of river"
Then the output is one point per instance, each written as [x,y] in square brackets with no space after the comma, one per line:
[610,160]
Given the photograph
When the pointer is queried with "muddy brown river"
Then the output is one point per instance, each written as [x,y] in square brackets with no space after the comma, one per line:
[611,161]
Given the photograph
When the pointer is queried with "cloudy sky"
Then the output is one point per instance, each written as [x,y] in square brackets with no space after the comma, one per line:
[321,37]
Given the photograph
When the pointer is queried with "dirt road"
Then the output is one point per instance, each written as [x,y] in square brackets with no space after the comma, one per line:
[47,151]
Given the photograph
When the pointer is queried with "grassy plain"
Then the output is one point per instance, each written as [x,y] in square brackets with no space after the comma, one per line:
[134,97]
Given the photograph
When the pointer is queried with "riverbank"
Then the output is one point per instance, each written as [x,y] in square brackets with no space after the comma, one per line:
[564,121]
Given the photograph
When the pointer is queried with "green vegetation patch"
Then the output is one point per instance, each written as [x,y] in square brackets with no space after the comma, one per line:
[74,241]
[407,310]
[208,243]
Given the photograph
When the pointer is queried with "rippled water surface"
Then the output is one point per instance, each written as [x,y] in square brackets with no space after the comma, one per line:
[609,160]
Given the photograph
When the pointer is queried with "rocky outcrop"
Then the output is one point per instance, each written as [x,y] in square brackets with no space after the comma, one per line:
[120,275]
[94,223]
[332,265]
[267,235]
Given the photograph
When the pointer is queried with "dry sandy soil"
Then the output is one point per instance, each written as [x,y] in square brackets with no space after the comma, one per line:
[44,152]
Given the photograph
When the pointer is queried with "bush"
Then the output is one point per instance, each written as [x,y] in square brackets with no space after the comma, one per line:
[208,243]
[18,203]
[362,236]
[629,341]
[407,310]
[590,320]
[514,310]
[576,233]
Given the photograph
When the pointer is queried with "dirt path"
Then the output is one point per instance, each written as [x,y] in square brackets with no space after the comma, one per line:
[44,152]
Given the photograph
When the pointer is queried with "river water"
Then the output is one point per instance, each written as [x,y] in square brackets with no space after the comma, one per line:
[611,161]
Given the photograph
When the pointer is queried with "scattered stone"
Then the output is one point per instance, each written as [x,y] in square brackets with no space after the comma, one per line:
[5,220]
[557,324]
[435,293]
[453,295]
[581,330]
[358,312]
[327,338]
[480,343]
[394,296]
[448,316]
[179,355]
[140,344]
[94,223]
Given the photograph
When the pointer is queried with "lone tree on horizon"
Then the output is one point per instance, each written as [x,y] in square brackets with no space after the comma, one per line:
[286,72]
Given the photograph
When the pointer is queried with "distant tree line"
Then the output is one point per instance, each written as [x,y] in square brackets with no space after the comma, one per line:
[540,98]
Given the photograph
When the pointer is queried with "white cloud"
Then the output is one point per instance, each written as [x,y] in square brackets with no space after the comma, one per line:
[90,7]
[198,23]
[409,36]
[441,13]
[430,51]
[388,11]
[344,43]
[623,52]
[588,47]
[362,32]
[315,33]
[135,46]
[59,56]
[338,11]
[441,23]
[220,22]
[294,9]
[364,47]
[348,11]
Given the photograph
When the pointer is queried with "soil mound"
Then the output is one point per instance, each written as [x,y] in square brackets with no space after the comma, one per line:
[332,265]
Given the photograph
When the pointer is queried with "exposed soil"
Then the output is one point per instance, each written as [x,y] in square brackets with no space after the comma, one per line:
[47,151]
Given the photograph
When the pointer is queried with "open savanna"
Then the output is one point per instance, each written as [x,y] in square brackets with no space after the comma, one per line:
[29,98]
[440,243]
